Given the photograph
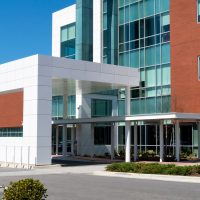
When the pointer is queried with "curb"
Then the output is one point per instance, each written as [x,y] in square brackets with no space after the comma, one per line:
[171,178]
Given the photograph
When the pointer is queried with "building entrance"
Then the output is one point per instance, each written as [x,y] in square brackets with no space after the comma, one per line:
[62,140]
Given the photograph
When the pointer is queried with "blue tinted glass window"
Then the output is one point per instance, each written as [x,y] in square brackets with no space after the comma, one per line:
[105,21]
[134,14]
[124,59]
[68,41]
[150,77]
[165,48]
[127,33]
[158,76]
[141,8]
[151,105]
[121,16]
[157,6]
[149,7]
[166,103]
[164,4]
[150,56]
[166,75]
[121,34]
[121,107]
[121,3]
[57,107]
[134,59]
[101,107]
[198,10]
[71,106]
[158,56]
[142,58]
[135,105]
[149,26]
[157,24]
[127,14]
[134,30]
[105,6]
[11,132]
[165,22]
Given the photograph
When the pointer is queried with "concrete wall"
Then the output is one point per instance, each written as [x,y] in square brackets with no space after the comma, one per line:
[60,19]
[34,80]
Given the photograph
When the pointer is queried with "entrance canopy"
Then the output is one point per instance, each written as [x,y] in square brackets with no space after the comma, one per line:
[71,76]
[151,117]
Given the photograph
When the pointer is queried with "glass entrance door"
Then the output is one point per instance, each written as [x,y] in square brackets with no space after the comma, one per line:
[69,141]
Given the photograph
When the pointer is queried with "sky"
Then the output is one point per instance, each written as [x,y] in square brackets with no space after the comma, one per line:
[25,27]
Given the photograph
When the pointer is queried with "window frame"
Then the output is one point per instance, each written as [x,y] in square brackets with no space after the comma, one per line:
[198,2]
[198,67]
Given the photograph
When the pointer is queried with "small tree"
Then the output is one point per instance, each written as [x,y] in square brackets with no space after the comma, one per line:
[26,189]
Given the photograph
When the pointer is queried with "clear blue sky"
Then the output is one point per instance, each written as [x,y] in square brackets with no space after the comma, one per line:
[25,27]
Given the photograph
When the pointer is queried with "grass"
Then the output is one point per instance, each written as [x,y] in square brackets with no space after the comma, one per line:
[154,168]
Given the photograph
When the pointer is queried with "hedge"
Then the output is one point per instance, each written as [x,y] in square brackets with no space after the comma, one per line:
[154,168]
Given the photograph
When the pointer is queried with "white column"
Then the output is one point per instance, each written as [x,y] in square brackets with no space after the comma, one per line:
[127,141]
[127,102]
[116,137]
[135,141]
[198,124]
[57,137]
[73,139]
[65,100]
[79,100]
[161,141]
[177,133]
[127,127]
[37,110]
[64,146]
[97,31]
[112,142]
[92,141]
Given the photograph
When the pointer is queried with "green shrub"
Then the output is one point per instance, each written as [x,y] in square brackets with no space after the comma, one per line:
[154,168]
[26,189]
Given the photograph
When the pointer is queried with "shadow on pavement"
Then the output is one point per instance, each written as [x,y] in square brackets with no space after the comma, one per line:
[71,163]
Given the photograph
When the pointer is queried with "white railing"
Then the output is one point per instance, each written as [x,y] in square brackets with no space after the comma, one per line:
[16,156]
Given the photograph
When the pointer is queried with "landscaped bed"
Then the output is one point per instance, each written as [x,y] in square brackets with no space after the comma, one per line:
[155,168]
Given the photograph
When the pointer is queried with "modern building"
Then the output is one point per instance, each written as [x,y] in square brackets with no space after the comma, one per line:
[124,78]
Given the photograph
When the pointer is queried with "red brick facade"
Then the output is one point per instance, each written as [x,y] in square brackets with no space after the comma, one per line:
[11,110]
[185,49]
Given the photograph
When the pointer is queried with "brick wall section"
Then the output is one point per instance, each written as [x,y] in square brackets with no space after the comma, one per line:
[11,109]
[185,48]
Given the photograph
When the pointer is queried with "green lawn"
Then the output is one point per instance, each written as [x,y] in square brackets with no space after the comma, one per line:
[154,168]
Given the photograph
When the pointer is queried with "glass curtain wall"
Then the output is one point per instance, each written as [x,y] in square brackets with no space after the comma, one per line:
[84,30]
[68,35]
[110,33]
[144,43]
